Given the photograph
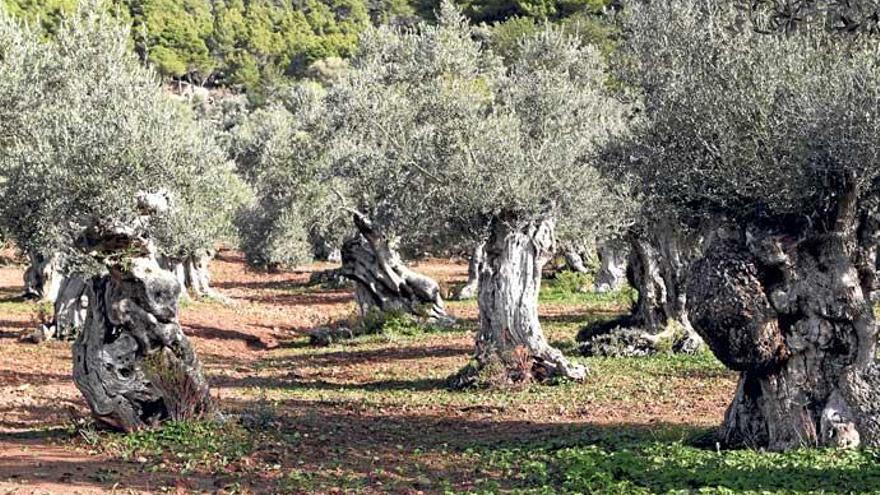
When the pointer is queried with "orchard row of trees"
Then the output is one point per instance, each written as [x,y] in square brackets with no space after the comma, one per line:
[257,44]
[730,144]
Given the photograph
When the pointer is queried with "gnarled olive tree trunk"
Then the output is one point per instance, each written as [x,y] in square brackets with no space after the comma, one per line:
[574,261]
[510,333]
[132,361]
[69,312]
[193,274]
[612,266]
[383,283]
[475,266]
[790,314]
[42,278]
[658,270]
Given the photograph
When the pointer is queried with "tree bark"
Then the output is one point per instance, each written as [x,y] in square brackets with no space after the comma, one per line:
[42,278]
[383,284]
[132,361]
[510,333]
[612,267]
[193,274]
[475,265]
[659,320]
[792,315]
[574,261]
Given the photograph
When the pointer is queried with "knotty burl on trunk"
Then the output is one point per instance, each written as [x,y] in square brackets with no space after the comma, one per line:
[789,311]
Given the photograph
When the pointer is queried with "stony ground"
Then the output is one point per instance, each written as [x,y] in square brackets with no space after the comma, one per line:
[366,416]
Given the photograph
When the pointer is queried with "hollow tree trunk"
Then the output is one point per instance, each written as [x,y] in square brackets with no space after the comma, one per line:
[383,283]
[612,267]
[510,333]
[659,320]
[42,278]
[792,316]
[475,265]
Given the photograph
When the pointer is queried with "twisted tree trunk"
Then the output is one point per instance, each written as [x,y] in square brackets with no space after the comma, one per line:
[383,283]
[475,265]
[42,278]
[132,361]
[792,316]
[612,267]
[574,261]
[510,333]
[791,313]
[659,320]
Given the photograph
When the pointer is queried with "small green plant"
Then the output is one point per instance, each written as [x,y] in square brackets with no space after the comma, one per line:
[573,282]
[395,324]
[576,288]
[194,443]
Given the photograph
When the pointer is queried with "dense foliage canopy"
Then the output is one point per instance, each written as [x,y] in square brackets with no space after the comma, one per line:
[89,127]
[748,115]
[432,136]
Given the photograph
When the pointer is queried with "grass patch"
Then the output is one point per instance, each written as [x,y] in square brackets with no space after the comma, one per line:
[183,446]
[577,289]
[676,468]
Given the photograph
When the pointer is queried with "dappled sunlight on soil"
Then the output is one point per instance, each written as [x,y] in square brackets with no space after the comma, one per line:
[370,414]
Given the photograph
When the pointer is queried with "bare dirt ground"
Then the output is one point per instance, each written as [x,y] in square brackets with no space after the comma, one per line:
[370,415]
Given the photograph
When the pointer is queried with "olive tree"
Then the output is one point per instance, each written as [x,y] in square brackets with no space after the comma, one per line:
[760,128]
[107,169]
[475,149]
[295,155]
[87,144]
[281,151]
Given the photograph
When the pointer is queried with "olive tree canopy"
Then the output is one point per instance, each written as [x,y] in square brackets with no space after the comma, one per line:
[105,166]
[89,127]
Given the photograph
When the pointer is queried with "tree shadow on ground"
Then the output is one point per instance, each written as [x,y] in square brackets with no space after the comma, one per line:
[324,297]
[293,382]
[367,438]
[336,445]
[375,356]
[257,342]
[23,417]
[263,284]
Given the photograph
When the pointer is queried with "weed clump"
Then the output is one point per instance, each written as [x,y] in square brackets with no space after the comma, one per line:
[183,396]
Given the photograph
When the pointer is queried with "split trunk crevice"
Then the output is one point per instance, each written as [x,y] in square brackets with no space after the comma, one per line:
[383,283]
